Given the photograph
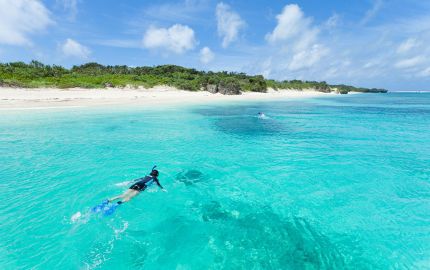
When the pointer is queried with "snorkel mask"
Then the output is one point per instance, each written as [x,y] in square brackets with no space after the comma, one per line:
[154,172]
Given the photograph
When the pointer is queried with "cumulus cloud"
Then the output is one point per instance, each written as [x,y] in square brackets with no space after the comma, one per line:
[307,58]
[390,54]
[72,48]
[206,55]
[291,22]
[21,18]
[178,38]
[229,24]
[298,37]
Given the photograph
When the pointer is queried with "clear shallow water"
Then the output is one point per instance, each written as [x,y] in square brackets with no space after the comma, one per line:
[331,183]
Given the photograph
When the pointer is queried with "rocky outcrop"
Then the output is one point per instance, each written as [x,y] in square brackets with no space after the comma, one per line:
[10,84]
[212,88]
[224,87]
[229,87]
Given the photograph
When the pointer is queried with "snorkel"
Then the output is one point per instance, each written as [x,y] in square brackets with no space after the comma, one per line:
[154,172]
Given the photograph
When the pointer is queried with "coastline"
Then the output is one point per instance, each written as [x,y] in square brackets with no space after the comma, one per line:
[49,98]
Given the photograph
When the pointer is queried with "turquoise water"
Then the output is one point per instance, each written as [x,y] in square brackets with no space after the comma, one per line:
[330,183]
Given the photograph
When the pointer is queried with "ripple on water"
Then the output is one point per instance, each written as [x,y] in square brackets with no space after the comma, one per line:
[348,188]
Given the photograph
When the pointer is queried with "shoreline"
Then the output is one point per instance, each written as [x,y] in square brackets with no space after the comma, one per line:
[51,98]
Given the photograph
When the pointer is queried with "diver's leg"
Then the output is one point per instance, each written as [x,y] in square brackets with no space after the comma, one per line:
[115,198]
[130,195]
[123,195]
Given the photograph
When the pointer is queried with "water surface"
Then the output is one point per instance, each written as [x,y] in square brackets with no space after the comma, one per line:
[330,183]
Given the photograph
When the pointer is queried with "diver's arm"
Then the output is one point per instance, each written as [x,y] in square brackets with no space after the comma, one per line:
[159,185]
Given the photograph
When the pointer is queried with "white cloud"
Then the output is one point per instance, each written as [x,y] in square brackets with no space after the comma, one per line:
[407,45]
[410,62]
[425,73]
[266,67]
[206,55]
[306,39]
[178,38]
[332,22]
[391,54]
[377,5]
[71,6]
[371,64]
[21,18]
[298,39]
[72,48]
[291,22]
[229,24]
[307,58]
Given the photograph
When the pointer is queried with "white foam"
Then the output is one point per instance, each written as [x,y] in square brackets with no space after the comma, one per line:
[38,108]
[121,230]
[123,184]
[101,255]
[75,217]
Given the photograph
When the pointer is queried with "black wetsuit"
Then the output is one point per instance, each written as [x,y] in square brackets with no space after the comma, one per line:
[144,182]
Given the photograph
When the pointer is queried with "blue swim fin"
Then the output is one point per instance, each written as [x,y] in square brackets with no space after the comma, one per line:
[100,207]
[110,209]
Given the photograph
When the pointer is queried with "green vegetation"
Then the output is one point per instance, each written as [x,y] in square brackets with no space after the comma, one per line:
[93,75]
[300,85]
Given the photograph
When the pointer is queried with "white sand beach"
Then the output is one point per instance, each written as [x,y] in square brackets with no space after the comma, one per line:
[40,98]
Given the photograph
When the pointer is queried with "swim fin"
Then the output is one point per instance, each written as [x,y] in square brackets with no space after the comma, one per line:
[100,207]
[110,209]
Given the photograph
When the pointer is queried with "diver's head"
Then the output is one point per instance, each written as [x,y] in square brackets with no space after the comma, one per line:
[154,173]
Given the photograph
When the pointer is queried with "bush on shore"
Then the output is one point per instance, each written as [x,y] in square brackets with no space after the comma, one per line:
[94,75]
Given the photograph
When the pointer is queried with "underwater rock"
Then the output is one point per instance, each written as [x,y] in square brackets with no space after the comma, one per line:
[247,241]
[257,238]
[190,177]
[214,211]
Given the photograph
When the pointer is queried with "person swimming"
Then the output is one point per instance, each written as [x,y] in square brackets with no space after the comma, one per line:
[140,185]
[261,115]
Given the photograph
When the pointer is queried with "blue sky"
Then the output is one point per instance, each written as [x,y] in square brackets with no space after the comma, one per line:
[371,43]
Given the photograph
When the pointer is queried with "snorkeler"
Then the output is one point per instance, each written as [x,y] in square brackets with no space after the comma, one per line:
[261,115]
[140,185]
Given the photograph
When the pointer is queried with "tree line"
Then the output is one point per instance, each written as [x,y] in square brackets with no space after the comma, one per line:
[94,75]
